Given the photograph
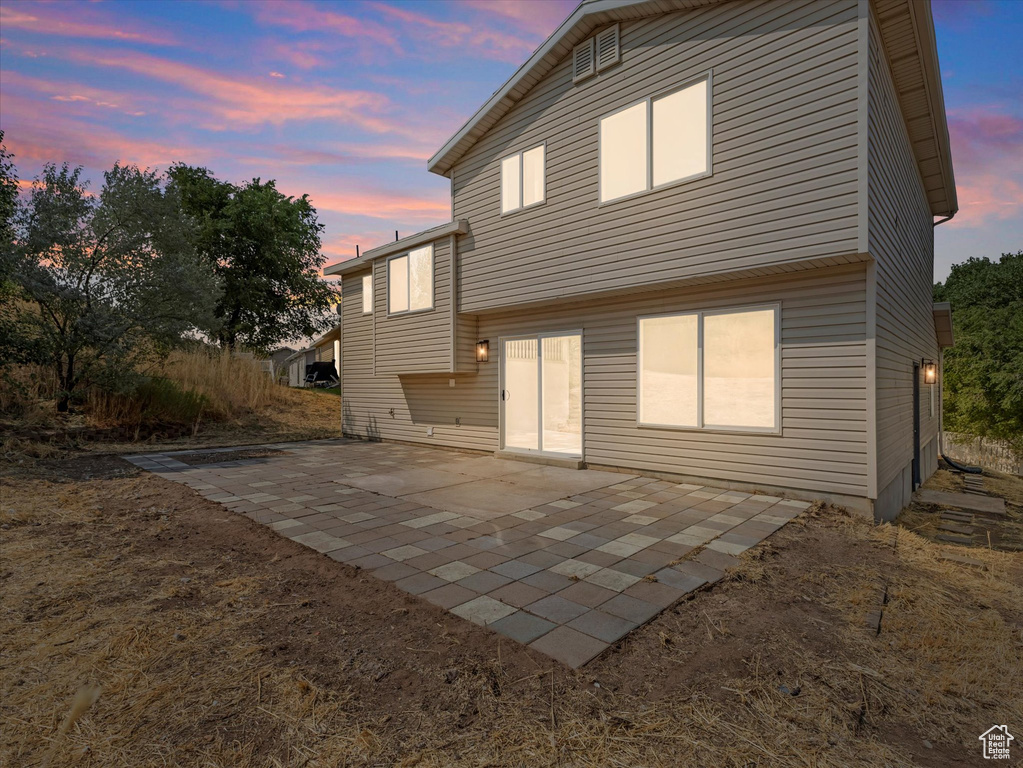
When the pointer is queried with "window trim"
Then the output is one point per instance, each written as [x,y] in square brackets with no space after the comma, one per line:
[519,154]
[649,100]
[368,277]
[408,278]
[702,426]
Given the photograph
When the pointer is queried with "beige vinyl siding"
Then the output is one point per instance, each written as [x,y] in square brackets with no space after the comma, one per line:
[784,182]
[325,353]
[414,342]
[822,446]
[901,240]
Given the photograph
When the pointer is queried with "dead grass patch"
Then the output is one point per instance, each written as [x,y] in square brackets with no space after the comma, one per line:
[216,642]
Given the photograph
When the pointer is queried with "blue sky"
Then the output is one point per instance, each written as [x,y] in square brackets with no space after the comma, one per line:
[347,100]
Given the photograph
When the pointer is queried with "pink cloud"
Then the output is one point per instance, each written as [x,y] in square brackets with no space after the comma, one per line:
[987,152]
[539,19]
[377,204]
[247,102]
[40,131]
[280,156]
[495,44]
[51,19]
[86,97]
[301,16]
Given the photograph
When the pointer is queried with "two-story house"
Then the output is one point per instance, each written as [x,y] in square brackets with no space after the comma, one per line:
[691,238]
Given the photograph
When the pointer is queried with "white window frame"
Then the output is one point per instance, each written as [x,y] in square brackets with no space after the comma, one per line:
[542,201]
[367,294]
[408,287]
[649,100]
[701,426]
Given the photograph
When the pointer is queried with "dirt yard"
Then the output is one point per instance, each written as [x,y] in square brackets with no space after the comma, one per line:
[141,625]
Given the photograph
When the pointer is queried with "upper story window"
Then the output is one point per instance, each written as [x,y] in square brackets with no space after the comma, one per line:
[367,294]
[522,179]
[410,281]
[657,142]
[710,370]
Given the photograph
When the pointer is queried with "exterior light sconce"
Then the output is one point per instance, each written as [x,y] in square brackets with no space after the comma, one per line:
[483,351]
[930,372]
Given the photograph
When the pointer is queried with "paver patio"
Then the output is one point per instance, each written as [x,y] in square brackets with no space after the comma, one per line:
[566,561]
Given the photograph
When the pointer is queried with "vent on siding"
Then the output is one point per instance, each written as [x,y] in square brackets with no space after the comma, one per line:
[582,61]
[607,48]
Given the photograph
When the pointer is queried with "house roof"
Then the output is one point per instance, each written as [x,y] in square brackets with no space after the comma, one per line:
[458,227]
[907,30]
[943,324]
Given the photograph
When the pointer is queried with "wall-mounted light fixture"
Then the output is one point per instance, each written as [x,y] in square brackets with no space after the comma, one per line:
[930,372]
[483,351]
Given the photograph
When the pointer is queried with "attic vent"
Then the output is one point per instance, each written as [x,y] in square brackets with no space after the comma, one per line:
[607,48]
[582,61]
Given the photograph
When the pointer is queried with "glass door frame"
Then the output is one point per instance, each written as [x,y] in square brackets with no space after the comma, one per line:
[539,393]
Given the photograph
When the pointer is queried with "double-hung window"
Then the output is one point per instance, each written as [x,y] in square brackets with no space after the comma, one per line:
[410,281]
[657,142]
[522,179]
[710,370]
[367,294]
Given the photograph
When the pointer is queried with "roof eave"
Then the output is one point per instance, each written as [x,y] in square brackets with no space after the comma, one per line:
[456,227]
[942,312]
[923,20]
[446,156]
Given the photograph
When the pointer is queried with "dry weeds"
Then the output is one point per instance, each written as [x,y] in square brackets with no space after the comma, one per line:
[177,637]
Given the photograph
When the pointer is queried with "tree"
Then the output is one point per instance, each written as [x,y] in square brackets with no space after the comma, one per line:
[265,249]
[101,282]
[984,370]
[8,195]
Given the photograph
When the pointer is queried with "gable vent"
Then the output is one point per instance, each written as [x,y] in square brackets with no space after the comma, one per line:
[607,48]
[583,64]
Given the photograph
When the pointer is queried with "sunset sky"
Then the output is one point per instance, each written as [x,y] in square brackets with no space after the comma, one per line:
[347,100]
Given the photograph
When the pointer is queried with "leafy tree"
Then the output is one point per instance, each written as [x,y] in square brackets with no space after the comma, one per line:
[265,249]
[984,370]
[8,195]
[101,282]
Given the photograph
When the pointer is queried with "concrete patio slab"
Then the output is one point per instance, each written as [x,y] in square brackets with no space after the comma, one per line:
[408,481]
[565,561]
[486,499]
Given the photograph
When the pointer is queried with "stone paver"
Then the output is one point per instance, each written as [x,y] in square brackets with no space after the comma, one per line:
[565,561]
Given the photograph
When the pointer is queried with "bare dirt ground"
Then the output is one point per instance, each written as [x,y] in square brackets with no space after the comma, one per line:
[208,640]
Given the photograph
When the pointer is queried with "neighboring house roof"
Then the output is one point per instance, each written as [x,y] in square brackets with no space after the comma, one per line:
[906,27]
[299,353]
[459,227]
[943,324]
[334,334]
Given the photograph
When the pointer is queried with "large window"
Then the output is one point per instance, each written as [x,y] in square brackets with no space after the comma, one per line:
[657,142]
[410,281]
[522,180]
[713,370]
[367,294]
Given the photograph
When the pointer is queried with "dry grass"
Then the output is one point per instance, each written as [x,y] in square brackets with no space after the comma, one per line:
[183,642]
[195,398]
[190,387]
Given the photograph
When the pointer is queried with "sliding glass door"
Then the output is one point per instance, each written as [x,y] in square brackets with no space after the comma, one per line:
[542,394]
